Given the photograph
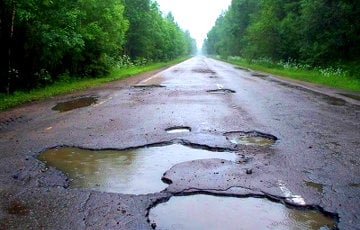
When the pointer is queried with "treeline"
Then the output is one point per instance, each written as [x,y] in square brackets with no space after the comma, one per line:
[45,40]
[314,32]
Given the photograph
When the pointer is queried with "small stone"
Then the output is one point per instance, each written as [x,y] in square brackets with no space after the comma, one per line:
[153,225]
[248,171]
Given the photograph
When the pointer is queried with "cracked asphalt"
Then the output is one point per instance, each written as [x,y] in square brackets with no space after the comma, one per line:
[317,131]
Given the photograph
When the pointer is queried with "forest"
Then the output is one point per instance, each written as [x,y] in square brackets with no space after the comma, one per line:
[43,41]
[313,33]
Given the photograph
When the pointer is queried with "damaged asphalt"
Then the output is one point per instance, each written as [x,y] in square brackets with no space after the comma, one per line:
[315,130]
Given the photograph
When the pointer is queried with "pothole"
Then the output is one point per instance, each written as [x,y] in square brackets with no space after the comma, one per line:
[242,68]
[221,91]
[259,75]
[178,129]
[149,86]
[133,171]
[75,104]
[250,138]
[203,71]
[334,100]
[318,187]
[215,212]
[352,96]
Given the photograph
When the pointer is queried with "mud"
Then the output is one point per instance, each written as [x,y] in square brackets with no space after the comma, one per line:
[75,104]
[215,212]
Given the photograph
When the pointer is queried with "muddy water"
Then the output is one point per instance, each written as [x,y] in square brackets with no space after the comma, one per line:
[136,171]
[74,104]
[250,138]
[212,212]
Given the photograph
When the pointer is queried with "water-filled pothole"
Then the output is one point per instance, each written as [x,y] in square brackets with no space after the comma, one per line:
[222,91]
[134,171]
[250,138]
[214,212]
[178,129]
[75,104]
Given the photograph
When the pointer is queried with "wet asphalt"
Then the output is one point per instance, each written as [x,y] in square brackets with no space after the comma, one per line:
[314,162]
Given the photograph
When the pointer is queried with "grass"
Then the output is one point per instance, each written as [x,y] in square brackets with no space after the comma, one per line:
[72,84]
[333,77]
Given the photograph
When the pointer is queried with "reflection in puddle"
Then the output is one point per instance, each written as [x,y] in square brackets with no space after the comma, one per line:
[316,186]
[180,129]
[212,212]
[74,104]
[135,171]
[289,196]
[250,138]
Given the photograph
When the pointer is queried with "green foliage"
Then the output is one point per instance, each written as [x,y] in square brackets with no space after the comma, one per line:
[331,76]
[314,32]
[41,40]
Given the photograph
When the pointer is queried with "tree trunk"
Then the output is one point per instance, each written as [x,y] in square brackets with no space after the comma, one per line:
[10,68]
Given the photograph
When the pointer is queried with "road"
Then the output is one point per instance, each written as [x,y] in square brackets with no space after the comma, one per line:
[313,163]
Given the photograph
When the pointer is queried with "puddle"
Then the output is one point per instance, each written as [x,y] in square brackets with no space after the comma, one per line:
[222,91]
[179,129]
[316,186]
[214,212]
[135,171]
[250,138]
[75,104]
[352,96]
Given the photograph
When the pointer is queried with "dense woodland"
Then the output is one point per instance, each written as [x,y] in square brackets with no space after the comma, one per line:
[311,32]
[43,41]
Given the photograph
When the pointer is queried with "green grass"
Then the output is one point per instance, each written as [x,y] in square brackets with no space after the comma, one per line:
[332,77]
[72,84]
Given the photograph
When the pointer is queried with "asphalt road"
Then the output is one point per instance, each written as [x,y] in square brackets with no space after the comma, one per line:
[314,162]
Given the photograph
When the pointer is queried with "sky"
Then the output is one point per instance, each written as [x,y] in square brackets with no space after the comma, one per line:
[197,16]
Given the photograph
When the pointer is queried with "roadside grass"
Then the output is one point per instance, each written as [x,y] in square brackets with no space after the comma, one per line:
[70,85]
[333,77]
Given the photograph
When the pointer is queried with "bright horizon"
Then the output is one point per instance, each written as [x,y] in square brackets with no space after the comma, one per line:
[197,16]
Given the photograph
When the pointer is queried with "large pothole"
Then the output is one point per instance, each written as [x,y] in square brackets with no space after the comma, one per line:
[134,171]
[250,138]
[216,212]
[75,104]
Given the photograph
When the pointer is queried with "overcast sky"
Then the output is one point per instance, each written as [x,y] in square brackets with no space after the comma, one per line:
[197,16]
